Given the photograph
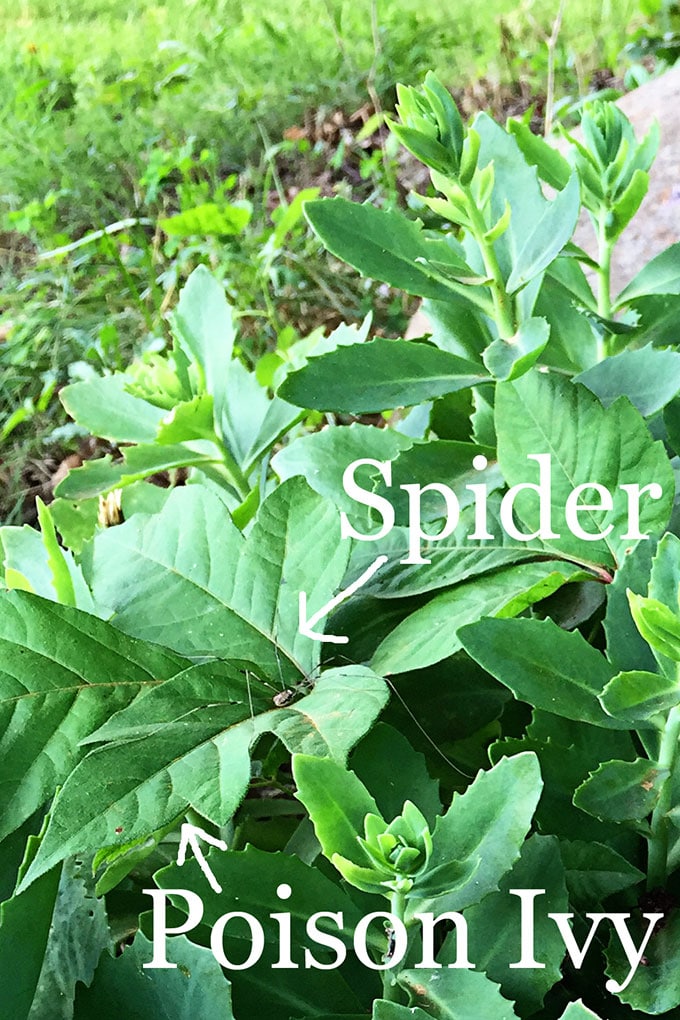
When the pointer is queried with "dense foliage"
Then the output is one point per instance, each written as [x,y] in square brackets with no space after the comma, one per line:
[504,714]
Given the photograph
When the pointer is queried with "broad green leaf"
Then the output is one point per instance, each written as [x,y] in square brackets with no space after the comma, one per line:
[648,377]
[655,988]
[552,669]
[626,648]
[594,871]
[208,219]
[186,577]
[76,522]
[456,995]
[660,276]
[30,558]
[486,824]
[574,343]
[664,578]
[547,236]
[251,421]
[586,448]
[509,359]
[577,1011]
[194,987]
[322,457]
[250,879]
[657,319]
[106,409]
[515,183]
[63,673]
[551,164]
[377,376]
[189,740]
[25,923]
[494,923]
[191,419]
[440,461]
[659,626]
[640,699]
[384,1010]
[373,762]
[97,477]
[622,791]
[337,803]
[381,244]
[78,934]
[627,205]
[452,559]
[430,634]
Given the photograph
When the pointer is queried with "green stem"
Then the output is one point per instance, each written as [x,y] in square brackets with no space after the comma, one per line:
[604,272]
[502,302]
[658,838]
[391,990]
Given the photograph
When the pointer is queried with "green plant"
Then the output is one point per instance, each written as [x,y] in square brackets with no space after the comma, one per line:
[485,731]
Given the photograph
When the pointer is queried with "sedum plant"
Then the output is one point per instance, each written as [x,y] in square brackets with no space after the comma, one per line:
[476,721]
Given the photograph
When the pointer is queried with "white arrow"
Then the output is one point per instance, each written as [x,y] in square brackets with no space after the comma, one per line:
[305,625]
[189,837]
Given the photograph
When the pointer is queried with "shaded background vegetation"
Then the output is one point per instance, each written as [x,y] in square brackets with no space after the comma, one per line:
[116,118]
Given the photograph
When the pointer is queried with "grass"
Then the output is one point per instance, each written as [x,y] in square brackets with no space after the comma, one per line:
[112,112]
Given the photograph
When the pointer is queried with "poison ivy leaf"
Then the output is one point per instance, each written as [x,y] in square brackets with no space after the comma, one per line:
[165,576]
[594,871]
[550,668]
[381,244]
[494,923]
[377,376]
[456,995]
[105,408]
[430,634]
[648,377]
[194,987]
[453,559]
[488,824]
[189,740]
[442,462]
[63,673]
[586,448]
[622,791]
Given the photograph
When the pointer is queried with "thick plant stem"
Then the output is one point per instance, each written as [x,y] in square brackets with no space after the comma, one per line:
[604,257]
[391,990]
[658,839]
[502,301]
